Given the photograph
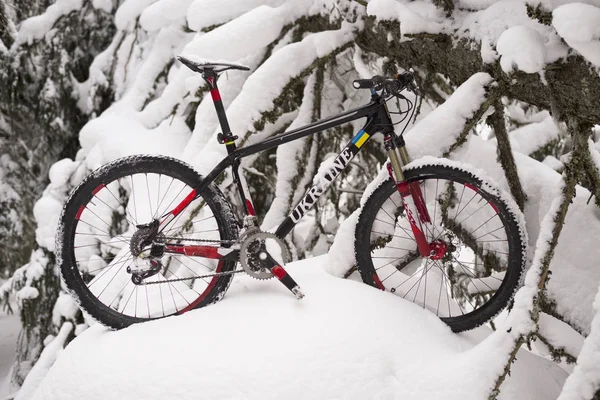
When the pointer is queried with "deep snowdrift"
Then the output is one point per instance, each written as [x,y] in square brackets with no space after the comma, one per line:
[344,340]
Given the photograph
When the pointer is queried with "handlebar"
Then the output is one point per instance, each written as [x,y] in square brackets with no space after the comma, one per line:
[406,80]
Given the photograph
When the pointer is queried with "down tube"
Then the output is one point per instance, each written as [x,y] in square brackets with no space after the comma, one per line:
[323,182]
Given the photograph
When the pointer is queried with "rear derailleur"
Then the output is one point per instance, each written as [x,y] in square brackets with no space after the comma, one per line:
[147,247]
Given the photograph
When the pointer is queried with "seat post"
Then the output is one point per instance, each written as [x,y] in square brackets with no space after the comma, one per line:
[210,76]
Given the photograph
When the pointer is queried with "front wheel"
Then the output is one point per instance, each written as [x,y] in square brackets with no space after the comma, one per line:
[102,239]
[481,246]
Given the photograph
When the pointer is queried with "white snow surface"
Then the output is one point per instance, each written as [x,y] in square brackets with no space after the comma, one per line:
[344,340]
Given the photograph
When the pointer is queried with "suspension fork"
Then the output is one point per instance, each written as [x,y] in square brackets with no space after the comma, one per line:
[410,192]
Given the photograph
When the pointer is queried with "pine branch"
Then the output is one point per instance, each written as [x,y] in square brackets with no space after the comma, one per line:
[505,155]
[544,254]
[470,123]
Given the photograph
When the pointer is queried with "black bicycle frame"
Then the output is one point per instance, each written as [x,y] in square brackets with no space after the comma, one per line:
[378,121]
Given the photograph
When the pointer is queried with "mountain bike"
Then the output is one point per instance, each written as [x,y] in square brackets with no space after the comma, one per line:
[147,237]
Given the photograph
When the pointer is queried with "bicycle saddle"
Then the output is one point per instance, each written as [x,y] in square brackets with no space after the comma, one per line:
[200,64]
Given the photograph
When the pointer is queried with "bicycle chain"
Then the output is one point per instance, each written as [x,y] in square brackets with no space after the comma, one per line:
[194,277]
[216,274]
[229,242]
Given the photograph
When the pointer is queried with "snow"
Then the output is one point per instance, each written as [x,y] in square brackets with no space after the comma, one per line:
[527,44]
[415,17]
[245,35]
[104,5]
[163,13]
[560,334]
[106,135]
[37,27]
[584,382]
[27,293]
[341,254]
[438,131]
[127,13]
[287,162]
[65,307]
[205,13]
[553,163]
[533,136]
[10,324]
[46,360]
[579,25]
[344,340]
[166,46]
[60,172]
[46,212]
[521,48]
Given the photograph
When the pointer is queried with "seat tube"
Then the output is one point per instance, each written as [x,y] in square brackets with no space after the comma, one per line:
[228,138]
[412,198]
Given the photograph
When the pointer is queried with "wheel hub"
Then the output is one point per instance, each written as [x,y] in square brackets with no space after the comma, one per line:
[439,248]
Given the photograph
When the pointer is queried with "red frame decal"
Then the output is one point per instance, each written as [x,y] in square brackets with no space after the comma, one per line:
[194,250]
[279,272]
[250,208]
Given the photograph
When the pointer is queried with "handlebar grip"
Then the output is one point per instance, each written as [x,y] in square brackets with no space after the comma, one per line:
[363,83]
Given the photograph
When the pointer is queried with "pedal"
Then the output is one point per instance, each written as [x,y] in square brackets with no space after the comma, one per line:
[297,292]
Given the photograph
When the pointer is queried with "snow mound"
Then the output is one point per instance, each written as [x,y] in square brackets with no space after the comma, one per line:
[522,48]
[345,340]
[579,25]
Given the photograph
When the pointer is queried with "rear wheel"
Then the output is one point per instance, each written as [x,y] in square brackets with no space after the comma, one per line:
[103,215]
[478,246]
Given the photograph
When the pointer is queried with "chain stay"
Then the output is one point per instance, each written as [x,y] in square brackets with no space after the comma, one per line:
[198,276]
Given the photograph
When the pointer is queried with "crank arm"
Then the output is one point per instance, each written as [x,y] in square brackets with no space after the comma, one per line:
[283,276]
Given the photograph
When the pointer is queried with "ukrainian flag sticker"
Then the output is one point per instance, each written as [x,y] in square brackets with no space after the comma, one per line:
[360,138]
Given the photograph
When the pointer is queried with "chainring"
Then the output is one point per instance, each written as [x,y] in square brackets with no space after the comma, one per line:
[252,245]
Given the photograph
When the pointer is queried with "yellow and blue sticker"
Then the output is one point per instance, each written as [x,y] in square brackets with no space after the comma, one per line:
[360,138]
